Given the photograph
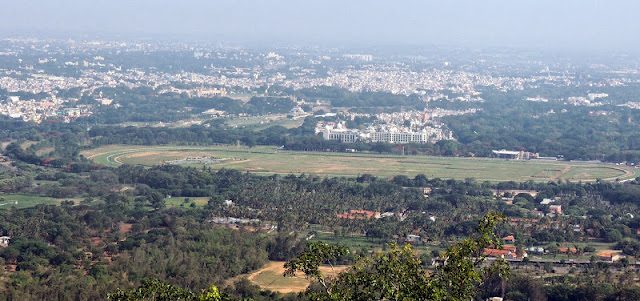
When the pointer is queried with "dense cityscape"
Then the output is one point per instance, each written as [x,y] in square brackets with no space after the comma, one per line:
[64,80]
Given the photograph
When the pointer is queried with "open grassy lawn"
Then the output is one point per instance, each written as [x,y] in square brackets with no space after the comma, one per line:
[177,201]
[602,172]
[263,122]
[547,173]
[44,151]
[265,159]
[26,201]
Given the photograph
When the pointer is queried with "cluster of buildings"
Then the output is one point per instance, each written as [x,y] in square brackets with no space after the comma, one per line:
[515,155]
[416,119]
[360,57]
[520,155]
[391,135]
[508,252]
[39,111]
[225,71]
[631,105]
[35,81]
[398,127]
[582,101]
[195,92]
[589,101]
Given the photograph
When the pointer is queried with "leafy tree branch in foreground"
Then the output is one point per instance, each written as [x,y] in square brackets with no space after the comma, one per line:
[397,274]
[159,291]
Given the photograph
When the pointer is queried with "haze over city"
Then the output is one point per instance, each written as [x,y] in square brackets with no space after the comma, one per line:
[407,150]
[563,25]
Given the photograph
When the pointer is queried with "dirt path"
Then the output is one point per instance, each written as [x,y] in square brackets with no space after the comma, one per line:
[627,173]
[557,175]
[124,149]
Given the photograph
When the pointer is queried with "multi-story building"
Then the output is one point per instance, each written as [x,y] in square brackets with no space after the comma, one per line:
[388,136]
[399,137]
[344,135]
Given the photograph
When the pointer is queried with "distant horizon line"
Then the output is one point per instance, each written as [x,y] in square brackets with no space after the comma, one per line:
[245,41]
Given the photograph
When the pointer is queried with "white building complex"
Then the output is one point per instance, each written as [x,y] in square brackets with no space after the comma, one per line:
[389,136]
[341,134]
[347,136]
[400,137]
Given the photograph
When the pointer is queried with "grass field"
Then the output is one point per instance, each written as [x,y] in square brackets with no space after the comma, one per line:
[26,201]
[263,122]
[270,160]
[177,201]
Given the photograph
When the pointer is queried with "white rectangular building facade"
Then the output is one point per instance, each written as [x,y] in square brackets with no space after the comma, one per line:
[399,137]
[341,135]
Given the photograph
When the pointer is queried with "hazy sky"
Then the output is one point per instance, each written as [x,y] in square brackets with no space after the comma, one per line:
[573,24]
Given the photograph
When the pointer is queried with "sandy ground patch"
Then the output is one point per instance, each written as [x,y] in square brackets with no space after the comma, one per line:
[3,145]
[26,144]
[124,227]
[270,277]
[108,150]
[44,151]
[96,241]
[142,154]
[557,175]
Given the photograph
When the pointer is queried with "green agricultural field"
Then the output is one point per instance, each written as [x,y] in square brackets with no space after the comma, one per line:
[269,160]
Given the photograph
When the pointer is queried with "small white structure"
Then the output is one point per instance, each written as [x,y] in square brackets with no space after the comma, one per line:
[546,201]
[413,238]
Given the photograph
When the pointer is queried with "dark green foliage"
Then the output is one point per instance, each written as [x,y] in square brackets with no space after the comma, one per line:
[624,194]
[508,122]
[160,291]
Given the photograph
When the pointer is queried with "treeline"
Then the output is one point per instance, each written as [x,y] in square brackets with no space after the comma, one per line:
[195,135]
[340,97]
[64,155]
[551,129]
[143,104]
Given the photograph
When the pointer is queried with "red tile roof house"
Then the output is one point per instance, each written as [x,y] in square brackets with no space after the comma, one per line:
[567,250]
[609,257]
[509,248]
[508,252]
[496,253]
